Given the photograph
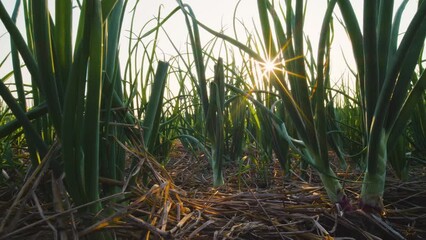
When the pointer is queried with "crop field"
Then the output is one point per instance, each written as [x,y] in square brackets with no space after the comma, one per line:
[250,135]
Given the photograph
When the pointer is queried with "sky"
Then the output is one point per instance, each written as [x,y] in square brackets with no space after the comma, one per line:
[218,14]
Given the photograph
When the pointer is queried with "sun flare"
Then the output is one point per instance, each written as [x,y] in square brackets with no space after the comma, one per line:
[269,67]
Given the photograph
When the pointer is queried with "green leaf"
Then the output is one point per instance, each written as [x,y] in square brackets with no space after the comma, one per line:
[151,123]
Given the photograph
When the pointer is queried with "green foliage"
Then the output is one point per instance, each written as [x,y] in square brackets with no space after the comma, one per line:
[151,122]
[384,75]
[80,83]
[245,114]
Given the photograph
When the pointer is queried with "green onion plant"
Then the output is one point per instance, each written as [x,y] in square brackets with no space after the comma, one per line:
[385,70]
[76,79]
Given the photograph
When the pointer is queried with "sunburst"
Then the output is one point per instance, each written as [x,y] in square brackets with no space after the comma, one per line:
[270,67]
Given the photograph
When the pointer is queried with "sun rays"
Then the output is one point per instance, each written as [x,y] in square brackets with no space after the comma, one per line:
[275,68]
[269,68]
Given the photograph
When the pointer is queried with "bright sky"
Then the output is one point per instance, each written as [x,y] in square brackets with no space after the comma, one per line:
[218,14]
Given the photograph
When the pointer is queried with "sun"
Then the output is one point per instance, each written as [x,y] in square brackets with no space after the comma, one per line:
[269,67]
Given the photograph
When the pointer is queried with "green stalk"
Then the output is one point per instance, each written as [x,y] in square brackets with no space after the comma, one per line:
[373,186]
[112,164]
[266,128]
[37,147]
[194,37]
[384,87]
[63,40]
[419,127]
[94,95]
[215,122]
[34,113]
[384,36]
[311,130]
[280,144]
[20,44]
[328,177]
[213,107]
[17,64]
[375,174]
[371,60]
[238,115]
[108,7]
[72,141]
[151,123]
[43,50]
[297,101]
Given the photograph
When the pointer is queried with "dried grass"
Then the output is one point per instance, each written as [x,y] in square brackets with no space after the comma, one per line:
[286,208]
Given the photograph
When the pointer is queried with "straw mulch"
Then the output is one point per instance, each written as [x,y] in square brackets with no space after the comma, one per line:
[178,202]
[249,207]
